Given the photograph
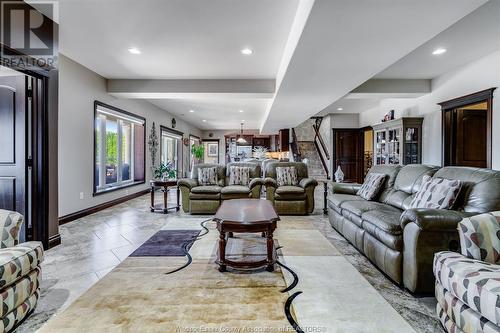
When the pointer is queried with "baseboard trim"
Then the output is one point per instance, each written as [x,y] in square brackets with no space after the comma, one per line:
[91,210]
[54,240]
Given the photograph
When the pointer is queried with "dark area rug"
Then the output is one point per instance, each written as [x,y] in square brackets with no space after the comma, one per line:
[166,243]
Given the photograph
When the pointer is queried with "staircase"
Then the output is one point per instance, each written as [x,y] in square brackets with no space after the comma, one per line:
[314,167]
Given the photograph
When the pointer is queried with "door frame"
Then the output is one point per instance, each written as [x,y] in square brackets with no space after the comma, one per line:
[41,97]
[180,159]
[447,107]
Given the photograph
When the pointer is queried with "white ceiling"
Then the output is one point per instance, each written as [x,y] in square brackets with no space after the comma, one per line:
[219,113]
[178,38]
[345,43]
[471,38]
[318,50]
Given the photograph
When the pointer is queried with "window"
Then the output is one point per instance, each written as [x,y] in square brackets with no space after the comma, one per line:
[171,148]
[193,140]
[119,148]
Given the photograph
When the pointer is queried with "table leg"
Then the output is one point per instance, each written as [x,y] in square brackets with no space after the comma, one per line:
[178,199]
[325,195]
[270,251]
[165,199]
[152,198]
[222,252]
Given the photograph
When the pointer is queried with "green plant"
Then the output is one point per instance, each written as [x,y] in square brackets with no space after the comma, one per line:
[198,151]
[165,170]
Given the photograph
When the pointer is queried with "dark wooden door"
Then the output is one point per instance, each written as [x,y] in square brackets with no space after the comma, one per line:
[13,144]
[471,140]
[348,153]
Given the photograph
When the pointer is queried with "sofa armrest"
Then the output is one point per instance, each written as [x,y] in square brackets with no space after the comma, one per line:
[10,225]
[255,182]
[432,219]
[345,188]
[306,182]
[270,182]
[426,232]
[187,182]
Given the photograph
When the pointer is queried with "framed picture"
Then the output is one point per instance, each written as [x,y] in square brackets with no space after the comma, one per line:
[213,149]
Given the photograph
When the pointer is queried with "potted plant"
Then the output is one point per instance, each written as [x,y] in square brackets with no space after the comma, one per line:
[165,171]
[198,153]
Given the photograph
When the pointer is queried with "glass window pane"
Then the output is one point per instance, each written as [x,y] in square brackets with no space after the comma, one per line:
[97,150]
[111,150]
[126,152]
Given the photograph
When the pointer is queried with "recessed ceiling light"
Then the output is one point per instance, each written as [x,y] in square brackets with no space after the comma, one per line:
[204,121]
[241,111]
[439,51]
[246,51]
[242,120]
[191,111]
[340,109]
[134,50]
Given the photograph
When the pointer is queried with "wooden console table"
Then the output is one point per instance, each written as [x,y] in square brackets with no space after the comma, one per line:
[164,186]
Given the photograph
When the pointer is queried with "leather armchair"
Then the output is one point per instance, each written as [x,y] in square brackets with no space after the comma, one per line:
[290,200]
[252,190]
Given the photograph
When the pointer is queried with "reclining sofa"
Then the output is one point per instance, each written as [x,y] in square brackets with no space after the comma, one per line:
[400,241]
[205,199]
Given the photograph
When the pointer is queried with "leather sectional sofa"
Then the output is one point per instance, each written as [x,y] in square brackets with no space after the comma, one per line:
[205,199]
[400,241]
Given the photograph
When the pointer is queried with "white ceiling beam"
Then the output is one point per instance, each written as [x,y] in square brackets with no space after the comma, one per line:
[192,88]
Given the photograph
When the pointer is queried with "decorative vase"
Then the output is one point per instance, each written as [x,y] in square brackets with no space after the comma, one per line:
[339,175]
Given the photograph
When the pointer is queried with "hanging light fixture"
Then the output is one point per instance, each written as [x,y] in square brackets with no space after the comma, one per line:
[241,139]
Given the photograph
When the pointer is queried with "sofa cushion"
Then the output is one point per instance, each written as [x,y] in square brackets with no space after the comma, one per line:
[287,176]
[290,193]
[360,207]
[473,282]
[207,176]
[464,318]
[386,219]
[479,237]
[337,199]
[205,192]
[372,185]
[235,192]
[438,193]
[18,261]
[10,224]
[239,175]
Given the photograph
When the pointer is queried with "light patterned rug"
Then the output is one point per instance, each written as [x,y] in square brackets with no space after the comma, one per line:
[138,295]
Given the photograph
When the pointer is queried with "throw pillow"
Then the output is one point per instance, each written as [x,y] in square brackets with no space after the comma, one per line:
[239,175]
[372,186]
[438,193]
[287,176]
[207,176]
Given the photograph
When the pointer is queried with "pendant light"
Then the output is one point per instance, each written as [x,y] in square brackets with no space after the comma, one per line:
[241,139]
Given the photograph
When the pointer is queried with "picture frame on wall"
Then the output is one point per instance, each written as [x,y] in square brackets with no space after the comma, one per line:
[213,149]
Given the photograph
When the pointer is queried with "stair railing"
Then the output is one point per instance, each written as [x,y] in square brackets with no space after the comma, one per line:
[295,147]
[320,145]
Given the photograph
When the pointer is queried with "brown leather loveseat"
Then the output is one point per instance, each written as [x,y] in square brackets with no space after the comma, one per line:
[400,241]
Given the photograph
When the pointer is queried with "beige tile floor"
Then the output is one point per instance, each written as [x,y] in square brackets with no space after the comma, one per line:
[94,245]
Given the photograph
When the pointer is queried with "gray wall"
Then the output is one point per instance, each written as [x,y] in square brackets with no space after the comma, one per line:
[78,88]
[479,75]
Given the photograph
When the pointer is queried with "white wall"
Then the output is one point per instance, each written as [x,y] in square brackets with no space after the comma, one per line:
[78,88]
[476,76]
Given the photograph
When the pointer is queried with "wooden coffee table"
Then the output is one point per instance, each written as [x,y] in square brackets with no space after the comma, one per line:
[246,216]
